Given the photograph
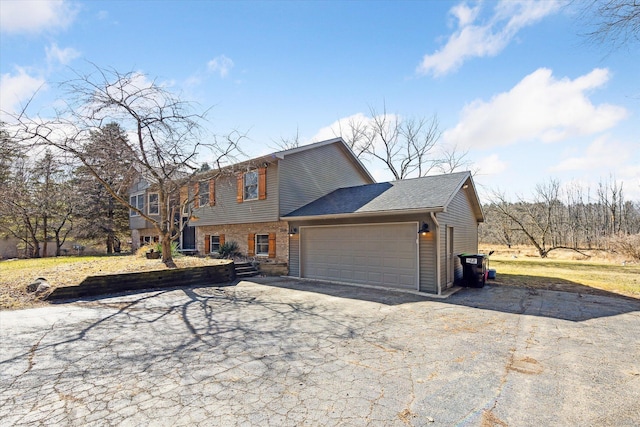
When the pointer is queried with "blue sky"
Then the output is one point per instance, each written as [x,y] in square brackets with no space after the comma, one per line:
[515,83]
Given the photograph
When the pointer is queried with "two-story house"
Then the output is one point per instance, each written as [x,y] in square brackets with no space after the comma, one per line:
[318,209]
[245,201]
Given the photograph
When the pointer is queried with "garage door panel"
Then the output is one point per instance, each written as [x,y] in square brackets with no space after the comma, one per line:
[381,254]
[374,277]
[407,280]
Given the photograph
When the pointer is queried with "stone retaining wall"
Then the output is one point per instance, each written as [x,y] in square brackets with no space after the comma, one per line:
[115,283]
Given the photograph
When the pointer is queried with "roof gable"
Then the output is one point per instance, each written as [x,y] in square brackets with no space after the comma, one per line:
[430,193]
[280,155]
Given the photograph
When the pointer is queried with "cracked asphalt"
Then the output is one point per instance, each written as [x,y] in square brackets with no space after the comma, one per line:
[281,352]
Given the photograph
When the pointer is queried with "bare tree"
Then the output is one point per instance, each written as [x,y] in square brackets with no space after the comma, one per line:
[287,143]
[405,146]
[537,220]
[611,199]
[18,213]
[453,159]
[38,204]
[165,136]
[614,22]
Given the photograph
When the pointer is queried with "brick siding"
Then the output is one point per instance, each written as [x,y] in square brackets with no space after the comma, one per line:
[239,233]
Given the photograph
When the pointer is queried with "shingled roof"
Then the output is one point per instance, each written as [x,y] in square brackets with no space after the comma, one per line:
[429,193]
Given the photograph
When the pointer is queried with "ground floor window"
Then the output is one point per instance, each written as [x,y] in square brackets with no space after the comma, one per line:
[215,244]
[262,244]
[147,240]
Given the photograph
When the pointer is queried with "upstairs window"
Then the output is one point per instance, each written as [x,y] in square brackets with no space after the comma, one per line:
[136,200]
[154,207]
[203,194]
[251,185]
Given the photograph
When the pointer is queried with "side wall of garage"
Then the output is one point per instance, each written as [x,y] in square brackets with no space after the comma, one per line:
[459,215]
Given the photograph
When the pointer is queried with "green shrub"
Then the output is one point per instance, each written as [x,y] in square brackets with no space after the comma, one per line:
[174,249]
[228,249]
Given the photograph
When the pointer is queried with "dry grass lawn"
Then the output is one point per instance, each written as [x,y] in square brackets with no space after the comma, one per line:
[600,273]
[15,275]
[564,271]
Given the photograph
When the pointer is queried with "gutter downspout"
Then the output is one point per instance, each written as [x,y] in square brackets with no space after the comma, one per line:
[438,284]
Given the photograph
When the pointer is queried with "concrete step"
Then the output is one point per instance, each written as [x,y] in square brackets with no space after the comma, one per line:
[245,269]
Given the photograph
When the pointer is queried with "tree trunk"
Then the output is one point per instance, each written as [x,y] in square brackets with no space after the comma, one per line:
[45,238]
[167,259]
[110,243]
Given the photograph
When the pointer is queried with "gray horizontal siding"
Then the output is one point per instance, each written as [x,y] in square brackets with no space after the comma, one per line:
[460,216]
[309,175]
[294,255]
[427,258]
[228,211]
[137,223]
[139,186]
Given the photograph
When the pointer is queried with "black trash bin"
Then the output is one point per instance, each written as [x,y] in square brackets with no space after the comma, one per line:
[474,270]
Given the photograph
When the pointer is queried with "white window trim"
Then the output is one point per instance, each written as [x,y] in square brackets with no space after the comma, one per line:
[256,245]
[133,213]
[203,193]
[157,204]
[211,243]
[244,185]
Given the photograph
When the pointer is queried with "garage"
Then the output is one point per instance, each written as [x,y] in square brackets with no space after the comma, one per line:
[374,254]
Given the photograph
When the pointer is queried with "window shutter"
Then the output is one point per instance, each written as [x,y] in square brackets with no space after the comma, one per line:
[212,192]
[272,245]
[251,243]
[221,239]
[207,244]
[262,183]
[240,193]
[196,197]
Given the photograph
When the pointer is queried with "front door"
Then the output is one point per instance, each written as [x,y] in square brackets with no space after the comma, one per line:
[188,238]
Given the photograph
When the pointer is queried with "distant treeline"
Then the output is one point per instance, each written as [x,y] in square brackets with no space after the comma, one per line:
[569,217]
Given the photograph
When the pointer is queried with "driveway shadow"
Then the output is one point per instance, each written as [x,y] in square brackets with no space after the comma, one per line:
[578,304]
[573,306]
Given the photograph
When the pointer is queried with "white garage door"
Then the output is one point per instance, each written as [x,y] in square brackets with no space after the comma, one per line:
[380,254]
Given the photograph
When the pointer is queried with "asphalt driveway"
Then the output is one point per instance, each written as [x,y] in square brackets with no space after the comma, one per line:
[290,353]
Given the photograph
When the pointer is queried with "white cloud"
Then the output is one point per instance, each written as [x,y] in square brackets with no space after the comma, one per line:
[340,127]
[539,107]
[601,154]
[220,64]
[16,89]
[34,16]
[465,14]
[489,165]
[61,56]
[484,39]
